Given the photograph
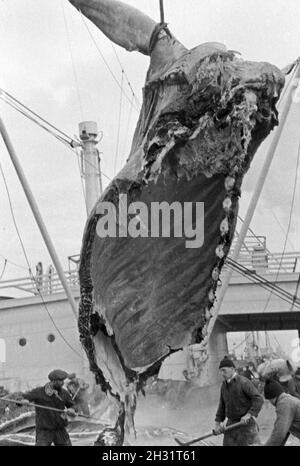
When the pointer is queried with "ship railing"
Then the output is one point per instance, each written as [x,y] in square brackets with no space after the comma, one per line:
[256,260]
[262,261]
[42,284]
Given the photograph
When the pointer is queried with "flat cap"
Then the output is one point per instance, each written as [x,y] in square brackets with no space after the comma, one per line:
[57,374]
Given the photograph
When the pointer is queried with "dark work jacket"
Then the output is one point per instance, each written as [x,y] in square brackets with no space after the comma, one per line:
[294,387]
[287,420]
[238,397]
[46,419]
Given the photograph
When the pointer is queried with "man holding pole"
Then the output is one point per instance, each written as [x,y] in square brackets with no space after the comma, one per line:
[287,414]
[78,391]
[239,402]
[52,420]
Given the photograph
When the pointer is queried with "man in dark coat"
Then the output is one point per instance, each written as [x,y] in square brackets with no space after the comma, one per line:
[78,392]
[287,413]
[239,402]
[294,384]
[51,425]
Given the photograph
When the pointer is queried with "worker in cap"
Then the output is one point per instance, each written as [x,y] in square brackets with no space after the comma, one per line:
[287,413]
[57,374]
[50,424]
[78,390]
[239,402]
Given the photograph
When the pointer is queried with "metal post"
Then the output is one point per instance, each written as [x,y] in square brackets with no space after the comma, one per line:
[256,195]
[37,215]
[91,163]
[162,14]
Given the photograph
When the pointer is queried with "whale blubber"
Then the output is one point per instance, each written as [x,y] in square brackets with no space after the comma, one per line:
[205,112]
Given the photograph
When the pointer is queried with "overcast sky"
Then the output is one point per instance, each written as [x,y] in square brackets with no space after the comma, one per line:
[49,62]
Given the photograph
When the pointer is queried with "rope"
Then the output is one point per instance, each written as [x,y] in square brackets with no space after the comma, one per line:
[15,103]
[14,218]
[275,289]
[15,107]
[3,270]
[128,123]
[289,225]
[296,292]
[72,60]
[13,263]
[259,240]
[80,175]
[242,342]
[104,59]
[119,126]
[127,79]
[28,264]
[69,142]
[282,228]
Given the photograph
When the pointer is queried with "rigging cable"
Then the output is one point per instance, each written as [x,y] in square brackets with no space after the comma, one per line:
[128,123]
[13,263]
[275,289]
[282,228]
[69,142]
[296,291]
[242,342]
[260,241]
[289,226]
[3,270]
[26,111]
[262,282]
[14,219]
[76,81]
[29,268]
[127,79]
[104,59]
[252,232]
[80,174]
[119,126]
[72,60]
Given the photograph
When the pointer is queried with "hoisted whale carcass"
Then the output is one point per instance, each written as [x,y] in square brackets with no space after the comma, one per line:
[204,114]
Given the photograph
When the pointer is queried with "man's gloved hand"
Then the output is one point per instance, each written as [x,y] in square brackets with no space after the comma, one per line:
[71,412]
[219,428]
[246,419]
[21,402]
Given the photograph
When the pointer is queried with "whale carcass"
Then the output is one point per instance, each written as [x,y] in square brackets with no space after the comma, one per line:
[205,112]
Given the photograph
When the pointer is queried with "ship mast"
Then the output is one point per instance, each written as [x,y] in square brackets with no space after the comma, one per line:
[90,163]
[37,215]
